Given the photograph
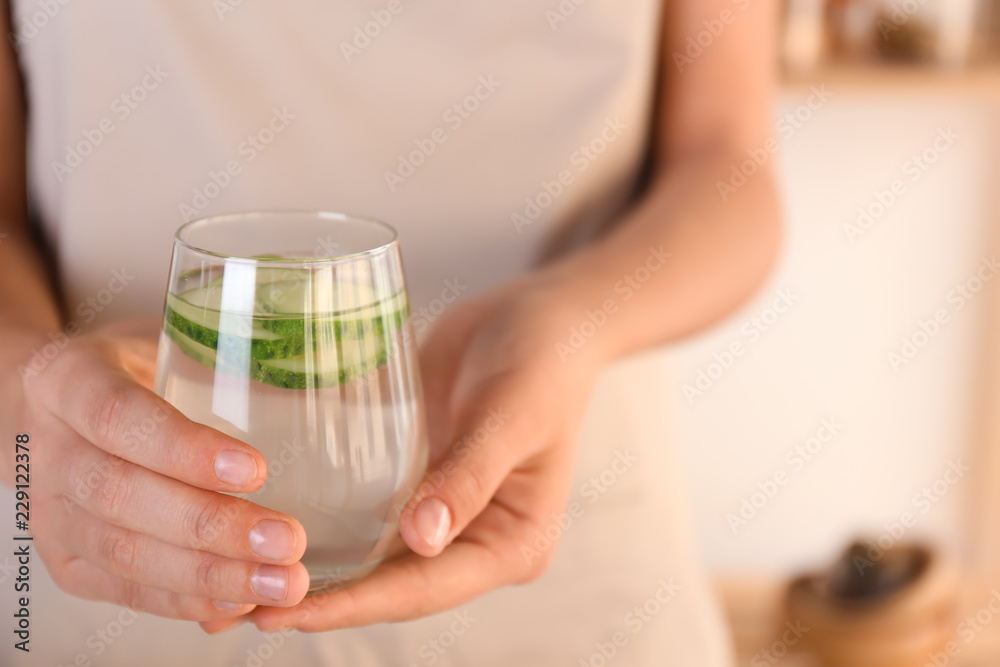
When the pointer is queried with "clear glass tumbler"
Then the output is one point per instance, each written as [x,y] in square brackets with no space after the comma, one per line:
[290,331]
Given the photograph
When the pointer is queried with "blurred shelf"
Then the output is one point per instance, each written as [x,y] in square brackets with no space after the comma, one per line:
[981,80]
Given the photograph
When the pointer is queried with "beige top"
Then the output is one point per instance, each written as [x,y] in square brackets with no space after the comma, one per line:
[452,121]
[477,129]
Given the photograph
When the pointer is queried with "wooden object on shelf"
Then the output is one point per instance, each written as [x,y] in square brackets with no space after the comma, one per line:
[891,609]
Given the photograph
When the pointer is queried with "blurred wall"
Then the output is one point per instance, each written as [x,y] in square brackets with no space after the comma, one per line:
[813,433]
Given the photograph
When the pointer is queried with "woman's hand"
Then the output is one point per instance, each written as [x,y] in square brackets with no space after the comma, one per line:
[124,502]
[503,411]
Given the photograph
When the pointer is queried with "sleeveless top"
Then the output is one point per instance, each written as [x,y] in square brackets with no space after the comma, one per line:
[480,131]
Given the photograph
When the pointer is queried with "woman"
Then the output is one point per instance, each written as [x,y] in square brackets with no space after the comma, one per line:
[490,136]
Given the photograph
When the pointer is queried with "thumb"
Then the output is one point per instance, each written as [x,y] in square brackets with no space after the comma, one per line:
[461,483]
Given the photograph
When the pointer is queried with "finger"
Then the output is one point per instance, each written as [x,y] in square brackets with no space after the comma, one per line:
[457,487]
[144,328]
[439,365]
[147,561]
[224,624]
[137,346]
[138,359]
[100,401]
[85,580]
[402,590]
[487,555]
[137,499]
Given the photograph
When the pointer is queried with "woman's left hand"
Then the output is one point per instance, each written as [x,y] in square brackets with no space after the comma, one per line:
[503,407]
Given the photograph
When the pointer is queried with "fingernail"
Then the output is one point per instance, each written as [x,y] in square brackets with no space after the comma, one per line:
[272,539]
[235,467]
[227,606]
[432,521]
[270,581]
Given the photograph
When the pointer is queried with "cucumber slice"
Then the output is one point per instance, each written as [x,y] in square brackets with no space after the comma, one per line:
[202,354]
[202,327]
[353,360]
[278,334]
[372,321]
[281,326]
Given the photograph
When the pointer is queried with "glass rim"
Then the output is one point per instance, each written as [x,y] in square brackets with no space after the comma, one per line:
[316,214]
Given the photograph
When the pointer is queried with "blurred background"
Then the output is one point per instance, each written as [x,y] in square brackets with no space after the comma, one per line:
[867,373]
[951,33]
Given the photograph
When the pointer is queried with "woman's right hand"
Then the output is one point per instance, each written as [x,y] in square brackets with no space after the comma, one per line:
[125,491]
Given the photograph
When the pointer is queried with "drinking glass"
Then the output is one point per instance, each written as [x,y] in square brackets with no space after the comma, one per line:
[290,331]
